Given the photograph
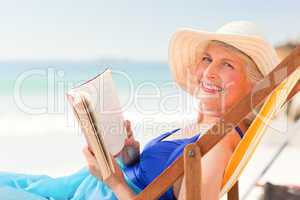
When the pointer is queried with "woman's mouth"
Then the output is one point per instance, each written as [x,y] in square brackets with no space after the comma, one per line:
[210,88]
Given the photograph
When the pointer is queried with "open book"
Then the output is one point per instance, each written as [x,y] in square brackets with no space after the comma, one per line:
[96,106]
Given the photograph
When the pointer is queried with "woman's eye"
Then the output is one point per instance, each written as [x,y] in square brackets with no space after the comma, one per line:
[206,59]
[228,65]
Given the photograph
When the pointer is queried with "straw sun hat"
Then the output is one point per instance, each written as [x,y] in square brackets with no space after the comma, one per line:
[186,44]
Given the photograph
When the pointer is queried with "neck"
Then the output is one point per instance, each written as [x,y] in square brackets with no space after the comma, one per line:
[207,118]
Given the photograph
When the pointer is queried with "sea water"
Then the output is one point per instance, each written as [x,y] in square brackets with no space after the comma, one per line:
[33,95]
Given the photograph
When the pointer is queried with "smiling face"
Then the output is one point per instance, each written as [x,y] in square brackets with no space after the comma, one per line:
[222,78]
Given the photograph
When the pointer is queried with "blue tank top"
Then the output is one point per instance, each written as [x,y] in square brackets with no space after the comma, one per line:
[157,156]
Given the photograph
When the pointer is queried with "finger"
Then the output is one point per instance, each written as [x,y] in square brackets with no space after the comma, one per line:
[90,150]
[127,125]
[85,150]
[88,155]
[91,164]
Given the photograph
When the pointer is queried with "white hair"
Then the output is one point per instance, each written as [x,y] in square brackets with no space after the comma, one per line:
[253,72]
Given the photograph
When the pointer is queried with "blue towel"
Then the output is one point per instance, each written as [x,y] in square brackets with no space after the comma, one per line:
[78,186]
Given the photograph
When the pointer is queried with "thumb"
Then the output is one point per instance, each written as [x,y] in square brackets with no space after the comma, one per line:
[127,125]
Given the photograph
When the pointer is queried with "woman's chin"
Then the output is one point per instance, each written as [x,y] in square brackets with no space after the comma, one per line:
[210,105]
[211,111]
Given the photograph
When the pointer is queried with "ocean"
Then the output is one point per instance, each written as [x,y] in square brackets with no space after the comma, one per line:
[33,95]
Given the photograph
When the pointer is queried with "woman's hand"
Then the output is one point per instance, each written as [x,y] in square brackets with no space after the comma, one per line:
[131,150]
[128,155]
[114,180]
[92,162]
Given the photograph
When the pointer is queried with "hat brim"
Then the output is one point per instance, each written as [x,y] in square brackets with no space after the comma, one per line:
[186,44]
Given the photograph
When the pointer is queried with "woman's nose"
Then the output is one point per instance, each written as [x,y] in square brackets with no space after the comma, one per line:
[211,71]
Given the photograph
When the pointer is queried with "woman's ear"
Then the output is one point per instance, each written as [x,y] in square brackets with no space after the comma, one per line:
[251,86]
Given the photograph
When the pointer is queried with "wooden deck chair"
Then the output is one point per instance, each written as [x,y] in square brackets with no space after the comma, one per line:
[273,91]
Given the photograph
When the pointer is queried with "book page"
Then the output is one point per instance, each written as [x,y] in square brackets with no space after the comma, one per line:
[101,97]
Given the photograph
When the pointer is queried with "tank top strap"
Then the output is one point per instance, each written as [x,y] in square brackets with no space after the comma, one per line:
[160,138]
[240,132]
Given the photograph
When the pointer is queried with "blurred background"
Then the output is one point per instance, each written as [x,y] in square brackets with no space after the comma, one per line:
[48,47]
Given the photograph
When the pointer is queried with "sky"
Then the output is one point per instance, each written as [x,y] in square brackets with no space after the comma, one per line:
[127,29]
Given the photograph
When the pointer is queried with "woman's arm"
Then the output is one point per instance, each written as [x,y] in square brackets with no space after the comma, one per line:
[122,192]
[130,154]
[213,165]
[116,182]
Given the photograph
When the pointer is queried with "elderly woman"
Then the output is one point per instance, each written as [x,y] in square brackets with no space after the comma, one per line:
[217,68]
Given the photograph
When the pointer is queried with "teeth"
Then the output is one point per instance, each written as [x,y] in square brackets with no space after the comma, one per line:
[211,86]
